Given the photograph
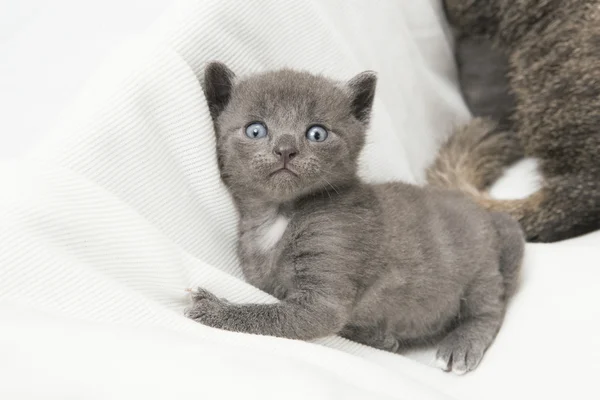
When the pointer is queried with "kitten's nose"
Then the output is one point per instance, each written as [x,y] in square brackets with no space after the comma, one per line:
[285,154]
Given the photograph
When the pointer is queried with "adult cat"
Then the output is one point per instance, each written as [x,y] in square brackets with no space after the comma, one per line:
[553,53]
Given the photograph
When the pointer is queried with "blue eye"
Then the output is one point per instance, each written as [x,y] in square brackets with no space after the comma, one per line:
[256,130]
[316,133]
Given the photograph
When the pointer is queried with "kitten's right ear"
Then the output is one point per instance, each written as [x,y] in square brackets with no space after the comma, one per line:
[218,84]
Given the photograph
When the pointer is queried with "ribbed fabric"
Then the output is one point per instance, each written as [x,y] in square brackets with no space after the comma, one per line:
[121,209]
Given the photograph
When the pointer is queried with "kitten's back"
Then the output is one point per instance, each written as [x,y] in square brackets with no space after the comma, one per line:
[444,226]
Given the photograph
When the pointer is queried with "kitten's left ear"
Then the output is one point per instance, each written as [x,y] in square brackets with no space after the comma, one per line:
[362,89]
[218,84]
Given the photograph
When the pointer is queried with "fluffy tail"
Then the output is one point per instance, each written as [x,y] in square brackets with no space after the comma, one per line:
[477,154]
[474,157]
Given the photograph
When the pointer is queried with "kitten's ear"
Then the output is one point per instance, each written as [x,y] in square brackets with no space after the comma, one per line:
[362,89]
[218,83]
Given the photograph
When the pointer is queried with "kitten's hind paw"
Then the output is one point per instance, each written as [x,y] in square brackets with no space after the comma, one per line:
[458,354]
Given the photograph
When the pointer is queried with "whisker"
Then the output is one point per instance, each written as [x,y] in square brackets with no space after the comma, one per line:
[327,191]
[329,183]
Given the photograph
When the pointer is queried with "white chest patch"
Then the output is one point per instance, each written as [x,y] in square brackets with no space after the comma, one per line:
[271,232]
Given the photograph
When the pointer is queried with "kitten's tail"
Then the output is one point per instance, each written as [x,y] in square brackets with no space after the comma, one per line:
[473,157]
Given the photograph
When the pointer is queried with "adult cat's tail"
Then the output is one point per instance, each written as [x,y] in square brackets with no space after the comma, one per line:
[473,158]
[477,154]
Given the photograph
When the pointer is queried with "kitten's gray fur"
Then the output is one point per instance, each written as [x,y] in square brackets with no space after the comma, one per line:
[386,265]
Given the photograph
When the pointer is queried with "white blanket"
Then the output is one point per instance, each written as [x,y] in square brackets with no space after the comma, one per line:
[110,219]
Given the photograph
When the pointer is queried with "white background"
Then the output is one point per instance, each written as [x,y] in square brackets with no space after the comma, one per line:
[48,49]
[548,345]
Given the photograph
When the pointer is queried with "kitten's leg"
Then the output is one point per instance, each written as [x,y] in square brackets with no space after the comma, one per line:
[373,336]
[481,314]
[306,316]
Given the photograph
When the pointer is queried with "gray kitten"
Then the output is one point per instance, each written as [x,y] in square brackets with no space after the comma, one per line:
[386,265]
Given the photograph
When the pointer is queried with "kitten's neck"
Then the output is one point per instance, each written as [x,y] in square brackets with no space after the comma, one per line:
[252,206]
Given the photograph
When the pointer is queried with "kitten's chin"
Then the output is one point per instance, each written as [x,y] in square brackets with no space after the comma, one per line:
[283,172]
[284,185]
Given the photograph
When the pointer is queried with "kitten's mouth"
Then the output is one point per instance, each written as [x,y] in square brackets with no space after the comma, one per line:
[283,170]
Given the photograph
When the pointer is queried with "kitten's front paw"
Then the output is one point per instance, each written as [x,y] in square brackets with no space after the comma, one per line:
[207,309]
[459,354]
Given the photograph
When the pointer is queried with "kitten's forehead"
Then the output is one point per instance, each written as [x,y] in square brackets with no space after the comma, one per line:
[290,93]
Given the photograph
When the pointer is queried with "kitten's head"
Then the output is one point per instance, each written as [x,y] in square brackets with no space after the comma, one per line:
[286,133]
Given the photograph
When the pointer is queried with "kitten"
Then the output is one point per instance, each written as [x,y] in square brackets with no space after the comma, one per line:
[386,265]
[553,53]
